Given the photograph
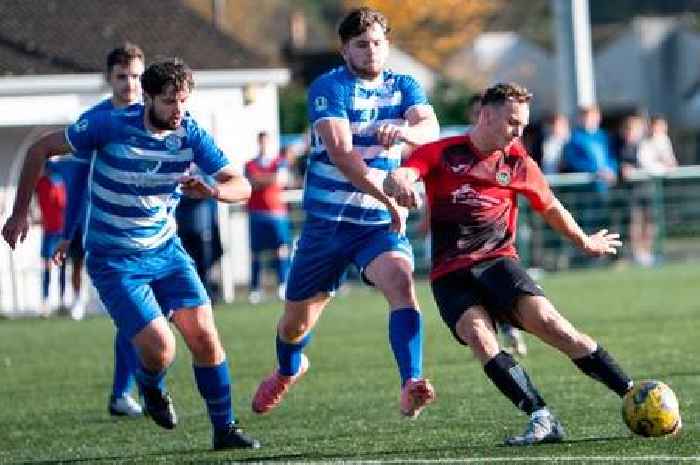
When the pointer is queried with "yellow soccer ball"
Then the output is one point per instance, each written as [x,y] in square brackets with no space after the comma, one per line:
[650,409]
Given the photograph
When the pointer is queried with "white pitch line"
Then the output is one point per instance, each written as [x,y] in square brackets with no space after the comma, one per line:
[583,459]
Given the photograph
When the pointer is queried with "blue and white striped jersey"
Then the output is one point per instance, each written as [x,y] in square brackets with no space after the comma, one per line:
[134,177]
[339,94]
[75,169]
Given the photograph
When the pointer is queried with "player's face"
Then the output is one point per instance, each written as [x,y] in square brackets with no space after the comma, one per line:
[507,122]
[125,81]
[366,54]
[166,110]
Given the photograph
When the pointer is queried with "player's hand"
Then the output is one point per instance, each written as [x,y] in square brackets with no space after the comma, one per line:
[390,134]
[61,252]
[398,217]
[401,190]
[602,243]
[195,187]
[15,228]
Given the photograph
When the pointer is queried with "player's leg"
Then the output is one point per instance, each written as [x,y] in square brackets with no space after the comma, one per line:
[259,234]
[124,286]
[48,245]
[282,240]
[539,317]
[387,263]
[126,362]
[181,289]
[461,299]
[317,271]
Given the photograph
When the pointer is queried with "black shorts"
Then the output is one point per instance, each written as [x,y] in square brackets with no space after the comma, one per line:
[494,284]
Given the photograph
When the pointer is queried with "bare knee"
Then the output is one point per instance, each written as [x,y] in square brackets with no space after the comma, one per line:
[299,318]
[157,350]
[479,335]
[206,347]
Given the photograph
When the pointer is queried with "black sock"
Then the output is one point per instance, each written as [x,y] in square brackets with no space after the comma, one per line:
[510,378]
[600,366]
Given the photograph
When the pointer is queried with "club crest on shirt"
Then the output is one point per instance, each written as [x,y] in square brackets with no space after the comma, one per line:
[173,143]
[81,125]
[321,103]
[503,178]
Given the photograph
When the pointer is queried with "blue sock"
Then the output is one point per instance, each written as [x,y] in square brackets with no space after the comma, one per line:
[282,266]
[123,381]
[45,281]
[214,384]
[406,338]
[147,378]
[255,273]
[289,355]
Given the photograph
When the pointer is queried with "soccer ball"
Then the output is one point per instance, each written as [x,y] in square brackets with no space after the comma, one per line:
[650,408]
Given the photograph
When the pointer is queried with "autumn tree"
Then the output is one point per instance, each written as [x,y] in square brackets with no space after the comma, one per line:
[433,30]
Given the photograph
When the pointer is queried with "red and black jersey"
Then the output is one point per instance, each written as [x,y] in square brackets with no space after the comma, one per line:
[472,199]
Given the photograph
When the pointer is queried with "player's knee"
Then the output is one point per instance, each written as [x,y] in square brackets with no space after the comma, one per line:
[293,331]
[474,332]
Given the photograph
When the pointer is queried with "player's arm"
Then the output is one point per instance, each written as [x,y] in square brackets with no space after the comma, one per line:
[423,127]
[597,244]
[51,144]
[230,186]
[399,185]
[337,138]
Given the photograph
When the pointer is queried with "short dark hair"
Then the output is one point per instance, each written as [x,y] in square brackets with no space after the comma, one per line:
[505,92]
[359,20]
[170,71]
[123,55]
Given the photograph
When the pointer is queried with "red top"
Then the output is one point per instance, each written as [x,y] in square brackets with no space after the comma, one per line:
[266,199]
[51,193]
[472,199]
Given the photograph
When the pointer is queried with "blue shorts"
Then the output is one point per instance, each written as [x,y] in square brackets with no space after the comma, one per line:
[135,289]
[49,242]
[326,248]
[268,231]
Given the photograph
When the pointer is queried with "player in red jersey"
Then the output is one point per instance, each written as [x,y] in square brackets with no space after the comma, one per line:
[472,182]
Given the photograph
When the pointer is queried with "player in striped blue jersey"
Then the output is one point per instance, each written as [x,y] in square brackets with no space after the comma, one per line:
[139,171]
[363,115]
[125,65]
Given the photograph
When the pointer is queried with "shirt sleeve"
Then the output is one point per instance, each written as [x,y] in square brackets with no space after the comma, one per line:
[326,100]
[412,94]
[423,159]
[207,155]
[536,188]
[76,175]
[88,133]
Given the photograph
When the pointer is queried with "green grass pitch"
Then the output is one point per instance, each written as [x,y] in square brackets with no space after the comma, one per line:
[55,377]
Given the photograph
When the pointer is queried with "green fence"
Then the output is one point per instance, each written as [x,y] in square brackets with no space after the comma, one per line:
[672,200]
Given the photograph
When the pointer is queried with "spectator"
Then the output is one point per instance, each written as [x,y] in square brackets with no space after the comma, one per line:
[557,135]
[656,154]
[588,151]
[267,214]
[639,158]
[51,195]
[198,228]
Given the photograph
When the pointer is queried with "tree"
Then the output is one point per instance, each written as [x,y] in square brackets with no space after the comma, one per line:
[433,30]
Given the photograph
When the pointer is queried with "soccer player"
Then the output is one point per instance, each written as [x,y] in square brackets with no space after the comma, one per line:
[472,182]
[125,66]
[267,214]
[360,112]
[140,157]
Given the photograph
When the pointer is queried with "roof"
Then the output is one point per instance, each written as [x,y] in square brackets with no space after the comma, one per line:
[73,36]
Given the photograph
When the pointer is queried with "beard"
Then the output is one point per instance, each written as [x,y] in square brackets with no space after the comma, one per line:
[159,123]
[363,72]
